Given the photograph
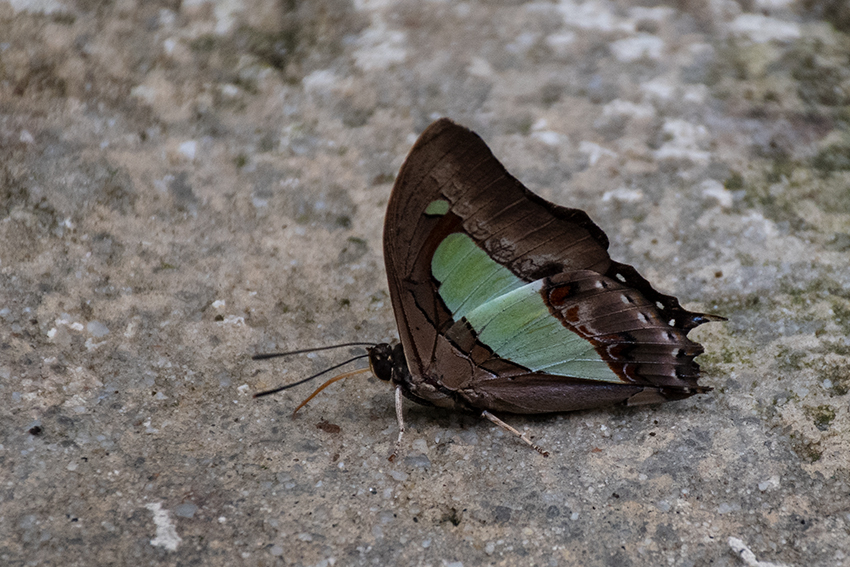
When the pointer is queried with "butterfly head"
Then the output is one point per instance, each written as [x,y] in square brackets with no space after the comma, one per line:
[382,360]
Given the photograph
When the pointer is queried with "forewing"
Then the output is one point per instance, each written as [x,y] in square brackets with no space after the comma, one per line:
[520,231]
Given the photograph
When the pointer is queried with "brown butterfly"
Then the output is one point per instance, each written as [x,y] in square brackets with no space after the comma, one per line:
[508,303]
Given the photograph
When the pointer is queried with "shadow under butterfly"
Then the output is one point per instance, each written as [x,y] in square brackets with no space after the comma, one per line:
[508,303]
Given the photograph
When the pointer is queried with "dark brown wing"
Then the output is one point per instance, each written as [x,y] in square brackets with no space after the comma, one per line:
[532,238]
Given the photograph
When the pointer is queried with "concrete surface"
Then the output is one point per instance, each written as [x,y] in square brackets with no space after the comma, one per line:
[187,183]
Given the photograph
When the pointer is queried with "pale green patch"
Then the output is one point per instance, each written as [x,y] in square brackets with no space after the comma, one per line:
[437,208]
[468,276]
[509,315]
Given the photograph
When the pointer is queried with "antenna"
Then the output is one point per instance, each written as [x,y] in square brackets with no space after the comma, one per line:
[305,350]
[325,371]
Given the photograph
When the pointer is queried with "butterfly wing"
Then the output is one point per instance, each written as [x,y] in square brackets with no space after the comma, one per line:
[505,301]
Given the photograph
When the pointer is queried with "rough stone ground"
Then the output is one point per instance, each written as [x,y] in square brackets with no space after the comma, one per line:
[185,184]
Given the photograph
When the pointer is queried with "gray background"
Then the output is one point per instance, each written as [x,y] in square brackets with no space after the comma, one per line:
[185,185]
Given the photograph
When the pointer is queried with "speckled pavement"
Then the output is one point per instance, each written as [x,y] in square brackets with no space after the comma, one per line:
[187,183]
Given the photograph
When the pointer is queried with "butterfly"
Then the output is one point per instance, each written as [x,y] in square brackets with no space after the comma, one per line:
[508,303]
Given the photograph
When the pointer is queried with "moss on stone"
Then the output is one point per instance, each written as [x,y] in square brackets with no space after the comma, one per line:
[822,416]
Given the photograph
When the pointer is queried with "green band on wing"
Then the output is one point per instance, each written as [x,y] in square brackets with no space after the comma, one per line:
[468,276]
[509,315]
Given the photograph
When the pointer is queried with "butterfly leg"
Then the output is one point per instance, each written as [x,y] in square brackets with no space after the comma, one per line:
[400,417]
[510,429]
